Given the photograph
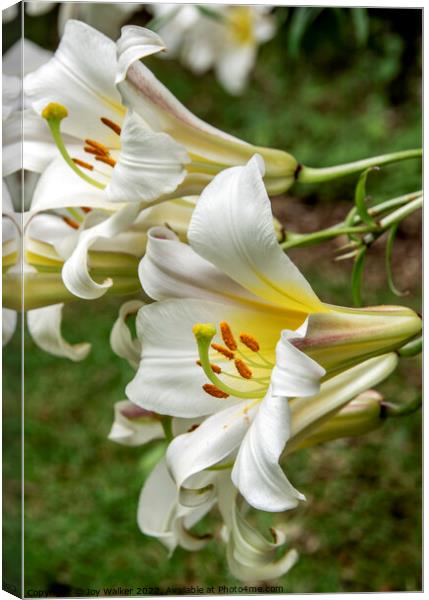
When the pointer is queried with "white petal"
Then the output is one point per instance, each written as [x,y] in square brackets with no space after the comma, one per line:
[257,472]
[133,426]
[75,271]
[81,76]
[23,57]
[295,373]
[157,505]
[59,186]
[216,437]
[11,95]
[120,337]
[44,325]
[150,164]
[171,269]
[232,227]
[135,43]
[9,321]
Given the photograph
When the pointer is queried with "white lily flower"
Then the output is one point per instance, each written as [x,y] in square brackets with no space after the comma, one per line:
[156,150]
[226,40]
[222,340]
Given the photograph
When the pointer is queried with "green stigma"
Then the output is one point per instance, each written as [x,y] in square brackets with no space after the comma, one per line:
[54,111]
[204,331]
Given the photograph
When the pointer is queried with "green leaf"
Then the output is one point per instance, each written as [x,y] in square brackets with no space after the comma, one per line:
[301,20]
[360,197]
[389,251]
[357,276]
[361,25]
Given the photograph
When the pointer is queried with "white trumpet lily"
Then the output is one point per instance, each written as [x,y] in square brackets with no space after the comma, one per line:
[222,340]
[156,150]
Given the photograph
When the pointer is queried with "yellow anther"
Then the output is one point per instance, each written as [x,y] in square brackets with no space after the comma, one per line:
[204,331]
[54,111]
[250,342]
[214,368]
[222,350]
[214,391]
[227,336]
[242,368]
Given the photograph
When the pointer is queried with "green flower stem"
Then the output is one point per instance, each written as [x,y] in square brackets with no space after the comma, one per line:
[166,423]
[303,239]
[401,213]
[310,175]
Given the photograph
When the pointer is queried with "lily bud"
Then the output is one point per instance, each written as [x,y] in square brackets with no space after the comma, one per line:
[362,415]
[343,337]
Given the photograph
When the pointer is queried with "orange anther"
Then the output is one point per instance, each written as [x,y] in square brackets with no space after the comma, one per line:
[106,159]
[242,368]
[100,147]
[71,223]
[111,124]
[214,368]
[222,350]
[250,342]
[83,164]
[211,389]
[86,209]
[227,336]
[92,150]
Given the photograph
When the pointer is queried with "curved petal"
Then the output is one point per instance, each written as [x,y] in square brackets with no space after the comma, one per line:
[212,441]
[135,43]
[171,269]
[75,271]
[149,165]
[168,380]
[120,337]
[44,325]
[134,426]
[9,321]
[81,76]
[295,373]
[257,473]
[232,227]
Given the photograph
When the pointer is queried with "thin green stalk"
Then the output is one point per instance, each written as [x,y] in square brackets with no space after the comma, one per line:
[311,175]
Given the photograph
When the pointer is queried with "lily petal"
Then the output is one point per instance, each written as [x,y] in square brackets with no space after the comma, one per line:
[257,473]
[75,271]
[149,165]
[218,436]
[135,43]
[120,338]
[171,269]
[236,201]
[44,325]
[81,76]
[133,426]
[295,373]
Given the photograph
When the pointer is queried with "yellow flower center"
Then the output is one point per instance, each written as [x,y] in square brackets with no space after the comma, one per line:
[240,22]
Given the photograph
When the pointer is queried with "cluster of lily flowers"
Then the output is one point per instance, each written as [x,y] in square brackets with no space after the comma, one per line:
[237,361]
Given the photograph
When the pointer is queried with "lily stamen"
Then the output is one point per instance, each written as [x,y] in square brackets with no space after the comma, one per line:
[243,369]
[227,336]
[222,350]
[98,146]
[106,159]
[83,164]
[111,124]
[214,391]
[215,368]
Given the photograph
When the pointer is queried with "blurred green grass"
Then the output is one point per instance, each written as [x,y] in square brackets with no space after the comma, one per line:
[360,529]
